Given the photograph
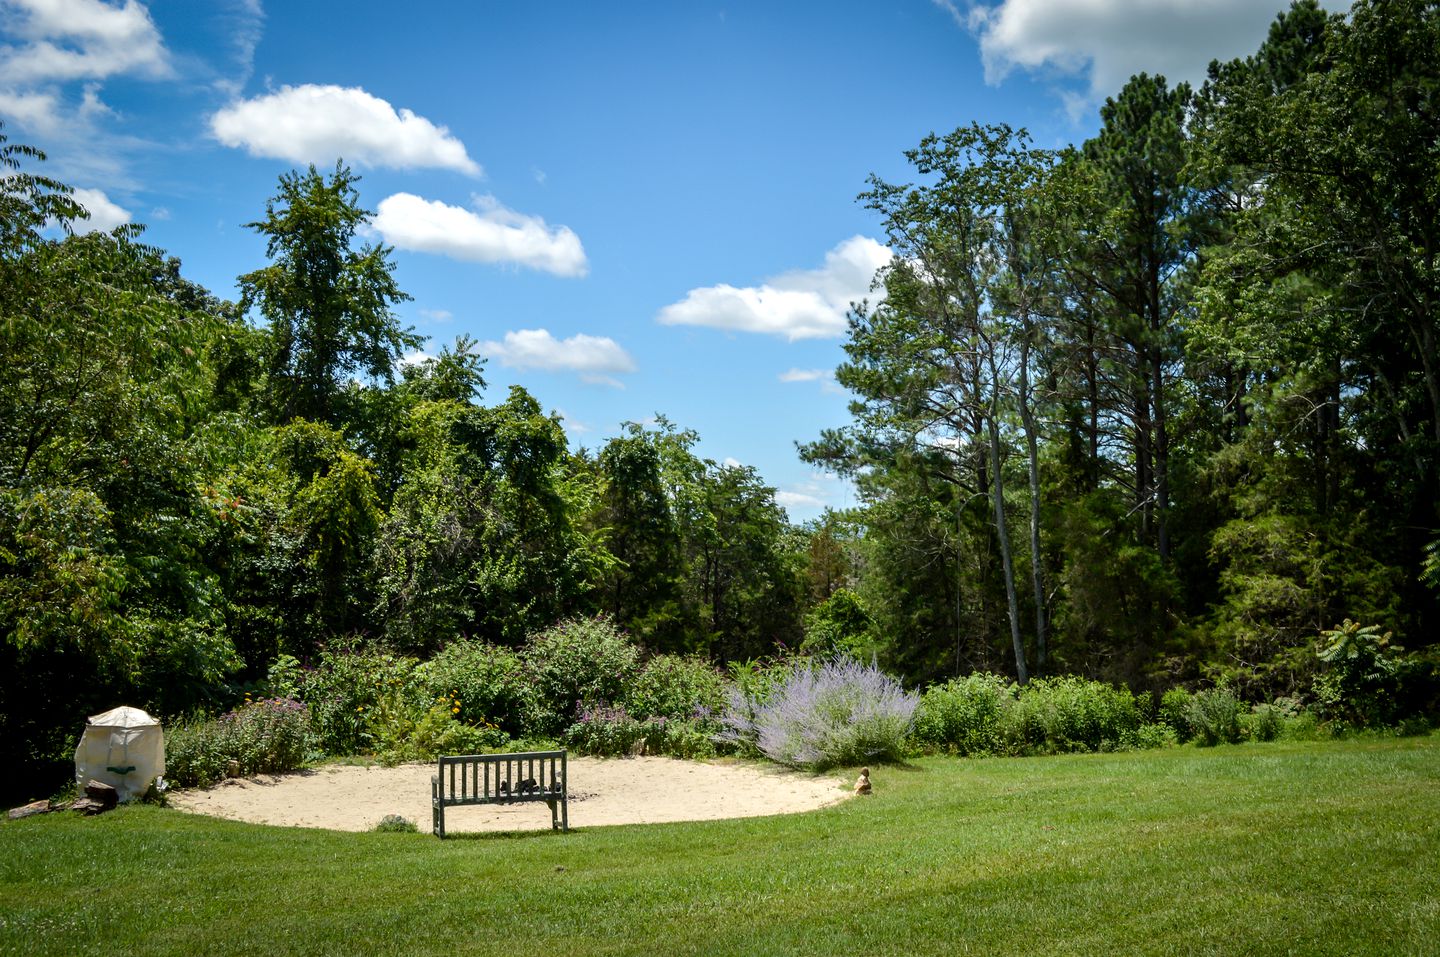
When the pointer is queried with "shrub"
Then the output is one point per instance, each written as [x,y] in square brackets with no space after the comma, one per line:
[577,662]
[1175,712]
[1363,674]
[675,686]
[1215,717]
[1263,723]
[395,824]
[836,712]
[1056,715]
[488,680]
[608,731]
[260,737]
[1149,737]
[344,689]
[963,715]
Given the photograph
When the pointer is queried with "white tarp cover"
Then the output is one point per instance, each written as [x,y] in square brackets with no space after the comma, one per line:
[125,748]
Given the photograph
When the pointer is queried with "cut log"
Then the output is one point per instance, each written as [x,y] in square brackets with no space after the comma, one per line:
[102,793]
[34,807]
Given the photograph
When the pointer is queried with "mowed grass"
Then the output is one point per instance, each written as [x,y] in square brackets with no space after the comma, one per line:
[1321,848]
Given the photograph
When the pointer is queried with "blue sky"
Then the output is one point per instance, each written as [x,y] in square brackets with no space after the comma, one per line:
[636,208]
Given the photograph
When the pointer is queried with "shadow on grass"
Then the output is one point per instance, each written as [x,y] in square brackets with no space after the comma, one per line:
[505,835]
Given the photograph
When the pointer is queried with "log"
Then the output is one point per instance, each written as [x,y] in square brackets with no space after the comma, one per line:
[102,793]
[34,807]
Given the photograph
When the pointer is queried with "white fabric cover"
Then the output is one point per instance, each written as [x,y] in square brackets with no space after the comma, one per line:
[125,748]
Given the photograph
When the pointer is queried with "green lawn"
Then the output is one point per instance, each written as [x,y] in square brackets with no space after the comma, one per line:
[1324,848]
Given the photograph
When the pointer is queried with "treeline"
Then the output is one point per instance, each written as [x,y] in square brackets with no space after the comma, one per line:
[190,488]
[1162,407]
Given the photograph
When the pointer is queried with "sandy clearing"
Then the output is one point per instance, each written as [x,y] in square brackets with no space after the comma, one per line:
[646,790]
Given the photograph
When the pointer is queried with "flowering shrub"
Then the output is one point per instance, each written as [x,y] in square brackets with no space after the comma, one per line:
[581,661]
[404,731]
[487,679]
[260,737]
[345,688]
[608,731]
[826,714]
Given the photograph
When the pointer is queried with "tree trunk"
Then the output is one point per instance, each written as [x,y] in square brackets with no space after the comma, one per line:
[1032,461]
[1002,532]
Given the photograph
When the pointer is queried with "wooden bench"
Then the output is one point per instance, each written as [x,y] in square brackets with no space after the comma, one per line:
[501,779]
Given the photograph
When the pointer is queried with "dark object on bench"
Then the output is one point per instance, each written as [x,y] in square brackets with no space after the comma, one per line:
[485,779]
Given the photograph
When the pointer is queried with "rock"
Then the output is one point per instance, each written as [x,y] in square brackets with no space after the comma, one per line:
[102,793]
[34,807]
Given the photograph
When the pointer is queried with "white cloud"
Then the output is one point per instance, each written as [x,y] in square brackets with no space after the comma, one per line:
[1111,40]
[38,112]
[63,40]
[104,214]
[437,315]
[789,500]
[415,358]
[490,233]
[596,358]
[804,304]
[730,462]
[804,375]
[572,425]
[316,123]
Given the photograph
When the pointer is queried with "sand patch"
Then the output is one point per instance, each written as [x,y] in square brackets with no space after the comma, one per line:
[602,791]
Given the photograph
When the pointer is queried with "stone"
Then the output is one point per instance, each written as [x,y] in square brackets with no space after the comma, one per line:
[34,807]
[89,806]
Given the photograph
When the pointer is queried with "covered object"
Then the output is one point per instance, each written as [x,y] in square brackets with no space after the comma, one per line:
[125,748]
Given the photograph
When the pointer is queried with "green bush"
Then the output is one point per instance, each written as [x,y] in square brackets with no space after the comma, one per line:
[489,682]
[395,824]
[261,737]
[581,661]
[1057,715]
[405,729]
[1363,677]
[345,688]
[1263,723]
[1175,711]
[1215,717]
[1149,737]
[963,715]
[677,687]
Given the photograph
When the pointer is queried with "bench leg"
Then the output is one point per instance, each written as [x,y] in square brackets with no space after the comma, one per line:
[439,820]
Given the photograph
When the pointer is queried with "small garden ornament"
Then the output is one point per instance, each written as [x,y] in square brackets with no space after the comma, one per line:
[862,783]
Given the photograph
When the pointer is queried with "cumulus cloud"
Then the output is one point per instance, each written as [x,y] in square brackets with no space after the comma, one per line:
[596,358]
[804,304]
[315,123]
[488,233]
[105,215]
[1108,41]
[63,40]
[789,500]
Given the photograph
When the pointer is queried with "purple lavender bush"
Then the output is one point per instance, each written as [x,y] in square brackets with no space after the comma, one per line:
[824,714]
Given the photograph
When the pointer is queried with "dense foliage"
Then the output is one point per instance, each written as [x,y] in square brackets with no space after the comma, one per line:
[1163,407]
[1158,410]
